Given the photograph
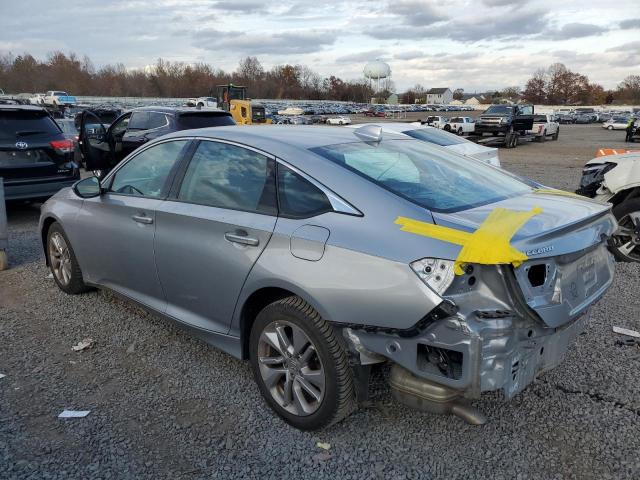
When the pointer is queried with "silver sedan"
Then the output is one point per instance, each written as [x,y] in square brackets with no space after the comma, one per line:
[316,252]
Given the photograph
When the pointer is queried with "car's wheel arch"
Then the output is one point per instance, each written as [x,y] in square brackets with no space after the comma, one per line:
[624,195]
[44,232]
[251,304]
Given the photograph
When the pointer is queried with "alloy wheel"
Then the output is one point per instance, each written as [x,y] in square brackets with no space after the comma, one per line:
[627,238]
[291,368]
[60,258]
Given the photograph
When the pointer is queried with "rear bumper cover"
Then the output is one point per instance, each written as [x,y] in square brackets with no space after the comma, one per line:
[37,188]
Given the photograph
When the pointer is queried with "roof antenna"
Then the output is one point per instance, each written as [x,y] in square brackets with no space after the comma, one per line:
[369,133]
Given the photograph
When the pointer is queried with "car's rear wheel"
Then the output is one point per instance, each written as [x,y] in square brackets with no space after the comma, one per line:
[460,132]
[543,137]
[626,239]
[4,260]
[610,127]
[556,135]
[62,262]
[300,365]
[447,128]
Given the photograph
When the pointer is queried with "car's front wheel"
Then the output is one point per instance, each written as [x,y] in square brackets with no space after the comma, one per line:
[626,240]
[300,365]
[62,262]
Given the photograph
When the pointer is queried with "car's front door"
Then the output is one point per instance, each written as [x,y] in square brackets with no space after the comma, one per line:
[210,235]
[119,225]
[94,142]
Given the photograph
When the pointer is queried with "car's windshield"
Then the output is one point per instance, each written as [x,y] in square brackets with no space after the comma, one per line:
[60,94]
[434,179]
[499,109]
[435,136]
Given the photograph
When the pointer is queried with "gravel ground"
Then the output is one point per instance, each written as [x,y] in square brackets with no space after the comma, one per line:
[166,405]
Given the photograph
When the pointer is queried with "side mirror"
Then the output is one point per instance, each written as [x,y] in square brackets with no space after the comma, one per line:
[88,188]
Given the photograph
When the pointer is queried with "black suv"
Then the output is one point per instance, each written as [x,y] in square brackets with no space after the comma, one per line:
[104,147]
[36,160]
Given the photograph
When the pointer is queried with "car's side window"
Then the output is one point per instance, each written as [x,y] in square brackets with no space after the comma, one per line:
[120,127]
[148,173]
[156,120]
[228,176]
[139,121]
[299,198]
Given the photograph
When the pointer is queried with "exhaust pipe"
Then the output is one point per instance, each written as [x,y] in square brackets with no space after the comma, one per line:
[432,397]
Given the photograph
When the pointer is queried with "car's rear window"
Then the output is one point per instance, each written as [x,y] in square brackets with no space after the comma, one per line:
[190,120]
[22,124]
[435,136]
[437,180]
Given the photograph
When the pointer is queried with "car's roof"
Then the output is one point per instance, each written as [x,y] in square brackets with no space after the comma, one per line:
[393,127]
[178,110]
[297,136]
[31,108]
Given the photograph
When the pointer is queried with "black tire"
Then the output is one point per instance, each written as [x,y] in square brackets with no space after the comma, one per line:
[460,131]
[543,137]
[620,211]
[339,398]
[556,135]
[447,128]
[76,283]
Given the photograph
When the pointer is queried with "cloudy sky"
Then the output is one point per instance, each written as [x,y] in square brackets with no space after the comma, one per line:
[473,44]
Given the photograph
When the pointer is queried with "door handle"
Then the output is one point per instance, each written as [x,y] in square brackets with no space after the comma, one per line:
[142,219]
[241,239]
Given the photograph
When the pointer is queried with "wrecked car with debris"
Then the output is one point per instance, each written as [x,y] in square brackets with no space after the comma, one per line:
[323,252]
[614,177]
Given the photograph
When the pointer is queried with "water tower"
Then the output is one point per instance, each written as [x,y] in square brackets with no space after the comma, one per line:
[377,70]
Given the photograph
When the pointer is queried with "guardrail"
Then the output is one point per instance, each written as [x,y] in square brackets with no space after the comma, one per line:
[4,231]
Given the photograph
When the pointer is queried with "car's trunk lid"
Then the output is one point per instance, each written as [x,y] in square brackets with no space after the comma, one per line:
[569,266]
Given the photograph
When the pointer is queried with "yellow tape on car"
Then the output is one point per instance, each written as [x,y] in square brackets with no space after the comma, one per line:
[555,191]
[489,244]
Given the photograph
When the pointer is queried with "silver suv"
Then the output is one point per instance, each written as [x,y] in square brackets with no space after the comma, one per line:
[315,252]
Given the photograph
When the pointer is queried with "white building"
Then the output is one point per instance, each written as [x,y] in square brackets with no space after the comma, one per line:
[441,96]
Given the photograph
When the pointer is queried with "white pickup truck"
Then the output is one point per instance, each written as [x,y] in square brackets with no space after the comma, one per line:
[543,126]
[435,121]
[58,98]
[460,125]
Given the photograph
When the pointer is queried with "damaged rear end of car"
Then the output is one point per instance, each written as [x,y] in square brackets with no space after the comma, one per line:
[515,277]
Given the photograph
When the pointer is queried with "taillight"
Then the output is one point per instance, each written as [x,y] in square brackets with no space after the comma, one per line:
[62,146]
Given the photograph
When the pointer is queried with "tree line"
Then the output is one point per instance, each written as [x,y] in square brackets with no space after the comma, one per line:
[78,76]
[557,85]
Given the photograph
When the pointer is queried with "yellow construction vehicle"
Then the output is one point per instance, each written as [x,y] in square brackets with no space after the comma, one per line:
[233,99]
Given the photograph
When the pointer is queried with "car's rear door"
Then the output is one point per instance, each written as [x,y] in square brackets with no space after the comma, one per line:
[118,227]
[210,234]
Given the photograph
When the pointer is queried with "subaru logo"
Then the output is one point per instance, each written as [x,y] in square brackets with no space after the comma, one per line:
[22,145]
